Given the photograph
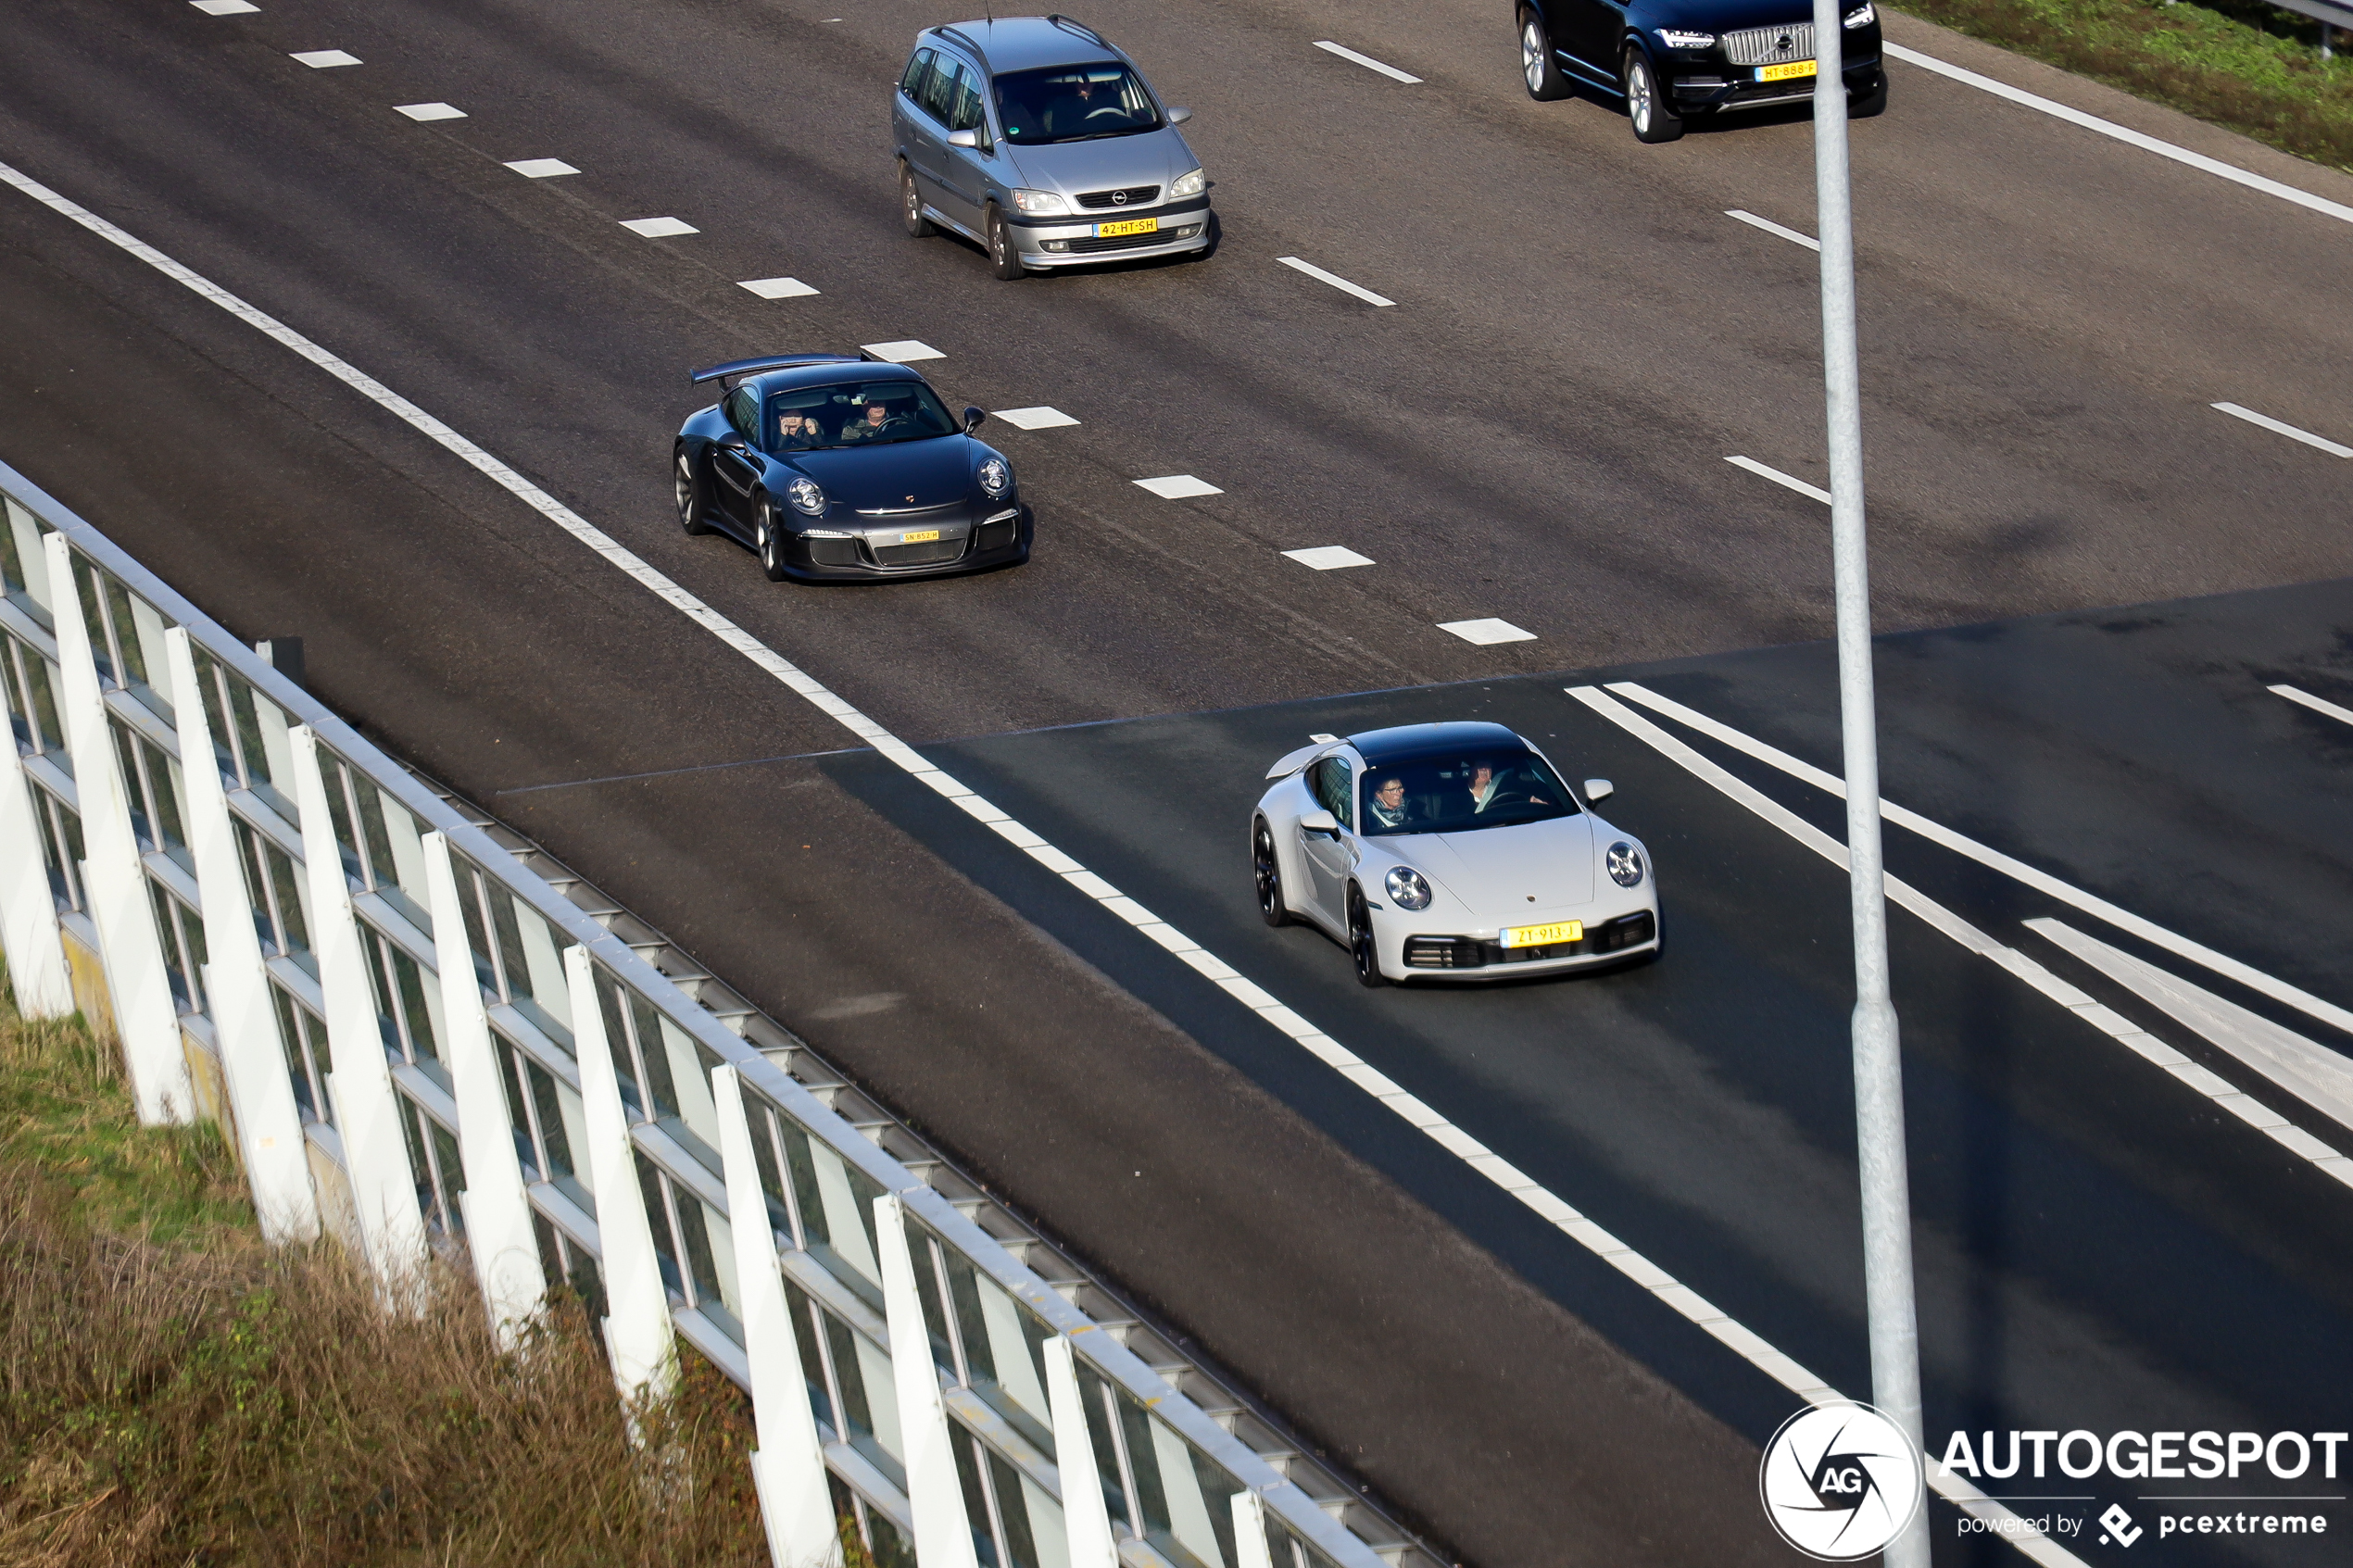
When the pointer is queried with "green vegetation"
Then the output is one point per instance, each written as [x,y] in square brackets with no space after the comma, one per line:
[172,1392]
[2250,68]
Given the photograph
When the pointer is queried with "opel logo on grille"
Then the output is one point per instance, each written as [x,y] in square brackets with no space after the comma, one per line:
[1119,198]
[1784,42]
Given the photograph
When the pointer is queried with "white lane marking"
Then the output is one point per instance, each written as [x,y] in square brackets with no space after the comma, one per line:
[319,59]
[1329,557]
[1368,296]
[1365,60]
[2312,1072]
[1772,228]
[431,111]
[658,228]
[2134,138]
[1936,832]
[1485,633]
[1177,486]
[1904,895]
[542,168]
[776,288]
[1686,1303]
[903,351]
[1039,417]
[1777,477]
[2277,428]
[224,7]
[2318,705]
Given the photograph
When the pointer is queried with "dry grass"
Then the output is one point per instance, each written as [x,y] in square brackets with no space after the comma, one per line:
[2244,65]
[173,1392]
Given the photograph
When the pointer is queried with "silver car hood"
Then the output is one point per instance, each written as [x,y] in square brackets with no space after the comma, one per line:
[1152,157]
[1504,875]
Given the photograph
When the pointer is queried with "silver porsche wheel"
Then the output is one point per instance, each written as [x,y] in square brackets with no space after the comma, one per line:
[1268,871]
[1362,947]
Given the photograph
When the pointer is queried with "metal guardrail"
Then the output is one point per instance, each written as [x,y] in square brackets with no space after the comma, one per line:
[419,1042]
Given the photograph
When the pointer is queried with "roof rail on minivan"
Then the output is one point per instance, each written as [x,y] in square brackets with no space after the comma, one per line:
[1071,24]
[966,39]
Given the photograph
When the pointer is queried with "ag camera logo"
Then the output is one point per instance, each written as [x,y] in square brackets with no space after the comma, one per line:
[1839,1480]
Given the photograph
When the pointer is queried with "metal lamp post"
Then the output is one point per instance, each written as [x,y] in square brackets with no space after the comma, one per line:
[1879,1063]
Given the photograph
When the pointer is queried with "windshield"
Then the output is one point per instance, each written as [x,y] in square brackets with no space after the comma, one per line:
[1459,791]
[855,414]
[1074,104]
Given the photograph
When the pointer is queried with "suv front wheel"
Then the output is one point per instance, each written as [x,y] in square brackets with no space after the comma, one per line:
[1538,65]
[1654,118]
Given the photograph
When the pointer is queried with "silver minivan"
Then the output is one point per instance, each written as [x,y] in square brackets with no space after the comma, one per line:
[1038,139]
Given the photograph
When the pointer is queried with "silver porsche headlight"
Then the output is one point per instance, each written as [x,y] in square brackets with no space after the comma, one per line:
[1408,889]
[805,497]
[995,478]
[1624,863]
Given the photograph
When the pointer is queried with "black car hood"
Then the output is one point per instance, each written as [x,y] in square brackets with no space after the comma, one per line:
[900,473]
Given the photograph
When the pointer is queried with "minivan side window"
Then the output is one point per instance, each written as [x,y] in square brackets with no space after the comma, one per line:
[964,113]
[918,68]
[939,88]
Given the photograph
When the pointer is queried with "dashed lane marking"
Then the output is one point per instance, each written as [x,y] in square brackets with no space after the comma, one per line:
[1675,1297]
[659,228]
[321,60]
[542,168]
[905,351]
[1485,633]
[1177,486]
[224,7]
[1329,557]
[2318,705]
[2280,427]
[776,288]
[1039,417]
[1365,60]
[1792,236]
[431,111]
[1777,477]
[1368,296]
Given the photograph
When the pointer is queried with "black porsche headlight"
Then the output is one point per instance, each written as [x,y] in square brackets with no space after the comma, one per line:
[995,478]
[1408,889]
[805,497]
[1624,863]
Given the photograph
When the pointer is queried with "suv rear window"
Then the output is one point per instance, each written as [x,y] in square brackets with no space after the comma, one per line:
[1074,104]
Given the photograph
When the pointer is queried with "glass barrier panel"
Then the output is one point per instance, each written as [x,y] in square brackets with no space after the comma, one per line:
[93,619]
[812,1361]
[175,968]
[531,962]
[126,758]
[835,1205]
[224,745]
[869,1399]
[976,1510]
[1101,1430]
[650,1183]
[138,633]
[1183,1499]
[763,1118]
[710,1258]
[618,1041]
[28,565]
[1005,1351]
[263,748]
[304,1034]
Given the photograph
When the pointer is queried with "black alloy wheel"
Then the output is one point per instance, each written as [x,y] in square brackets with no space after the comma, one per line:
[1361,946]
[910,206]
[1538,66]
[1269,872]
[1866,106]
[1005,256]
[690,516]
[1655,120]
[770,540]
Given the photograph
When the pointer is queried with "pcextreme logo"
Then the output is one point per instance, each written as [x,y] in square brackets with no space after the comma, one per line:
[1839,1480]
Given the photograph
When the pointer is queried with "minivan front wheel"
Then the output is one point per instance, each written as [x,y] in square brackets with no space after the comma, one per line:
[1538,66]
[910,206]
[1004,255]
[1647,105]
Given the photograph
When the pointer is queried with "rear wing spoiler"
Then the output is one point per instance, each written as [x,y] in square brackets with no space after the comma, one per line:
[735,370]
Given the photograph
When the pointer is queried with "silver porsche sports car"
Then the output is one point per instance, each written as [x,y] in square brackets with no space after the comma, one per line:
[1450,851]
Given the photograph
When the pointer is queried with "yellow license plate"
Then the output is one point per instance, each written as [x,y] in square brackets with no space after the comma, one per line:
[925,537]
[1788,72]
[1132,226]
[1545,936]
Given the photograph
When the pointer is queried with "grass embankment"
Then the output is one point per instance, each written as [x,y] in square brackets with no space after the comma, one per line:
[2250,68]
[175,1393]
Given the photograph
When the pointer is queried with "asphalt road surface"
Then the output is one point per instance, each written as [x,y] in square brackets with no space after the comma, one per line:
[1537,431]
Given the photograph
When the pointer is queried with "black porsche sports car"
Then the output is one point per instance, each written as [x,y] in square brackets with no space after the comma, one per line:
[833,467]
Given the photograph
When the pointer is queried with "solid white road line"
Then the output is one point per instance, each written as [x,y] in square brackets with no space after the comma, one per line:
[2276,428]
[1365,60]
[658,228]
[2312,1072]
[776,288]
[1677,1298]
[430,111]
[2134,138]
[1177,486]
[1904,895]
[319,59]
[1368,296]
[1487,632]
[2318,705]
[1772,228]
[1777,477]
[542,168]
[1039,417]
[2043,883]
[1329,557]
[224,7]
[903,351]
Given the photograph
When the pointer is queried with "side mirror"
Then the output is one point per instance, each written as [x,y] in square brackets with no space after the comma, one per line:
[1599,790]
[1178,116]
[1319,821]
[735,443]
[972,420]
[964,138]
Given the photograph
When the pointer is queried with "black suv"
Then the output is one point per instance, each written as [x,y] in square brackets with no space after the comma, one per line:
[1675,60]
